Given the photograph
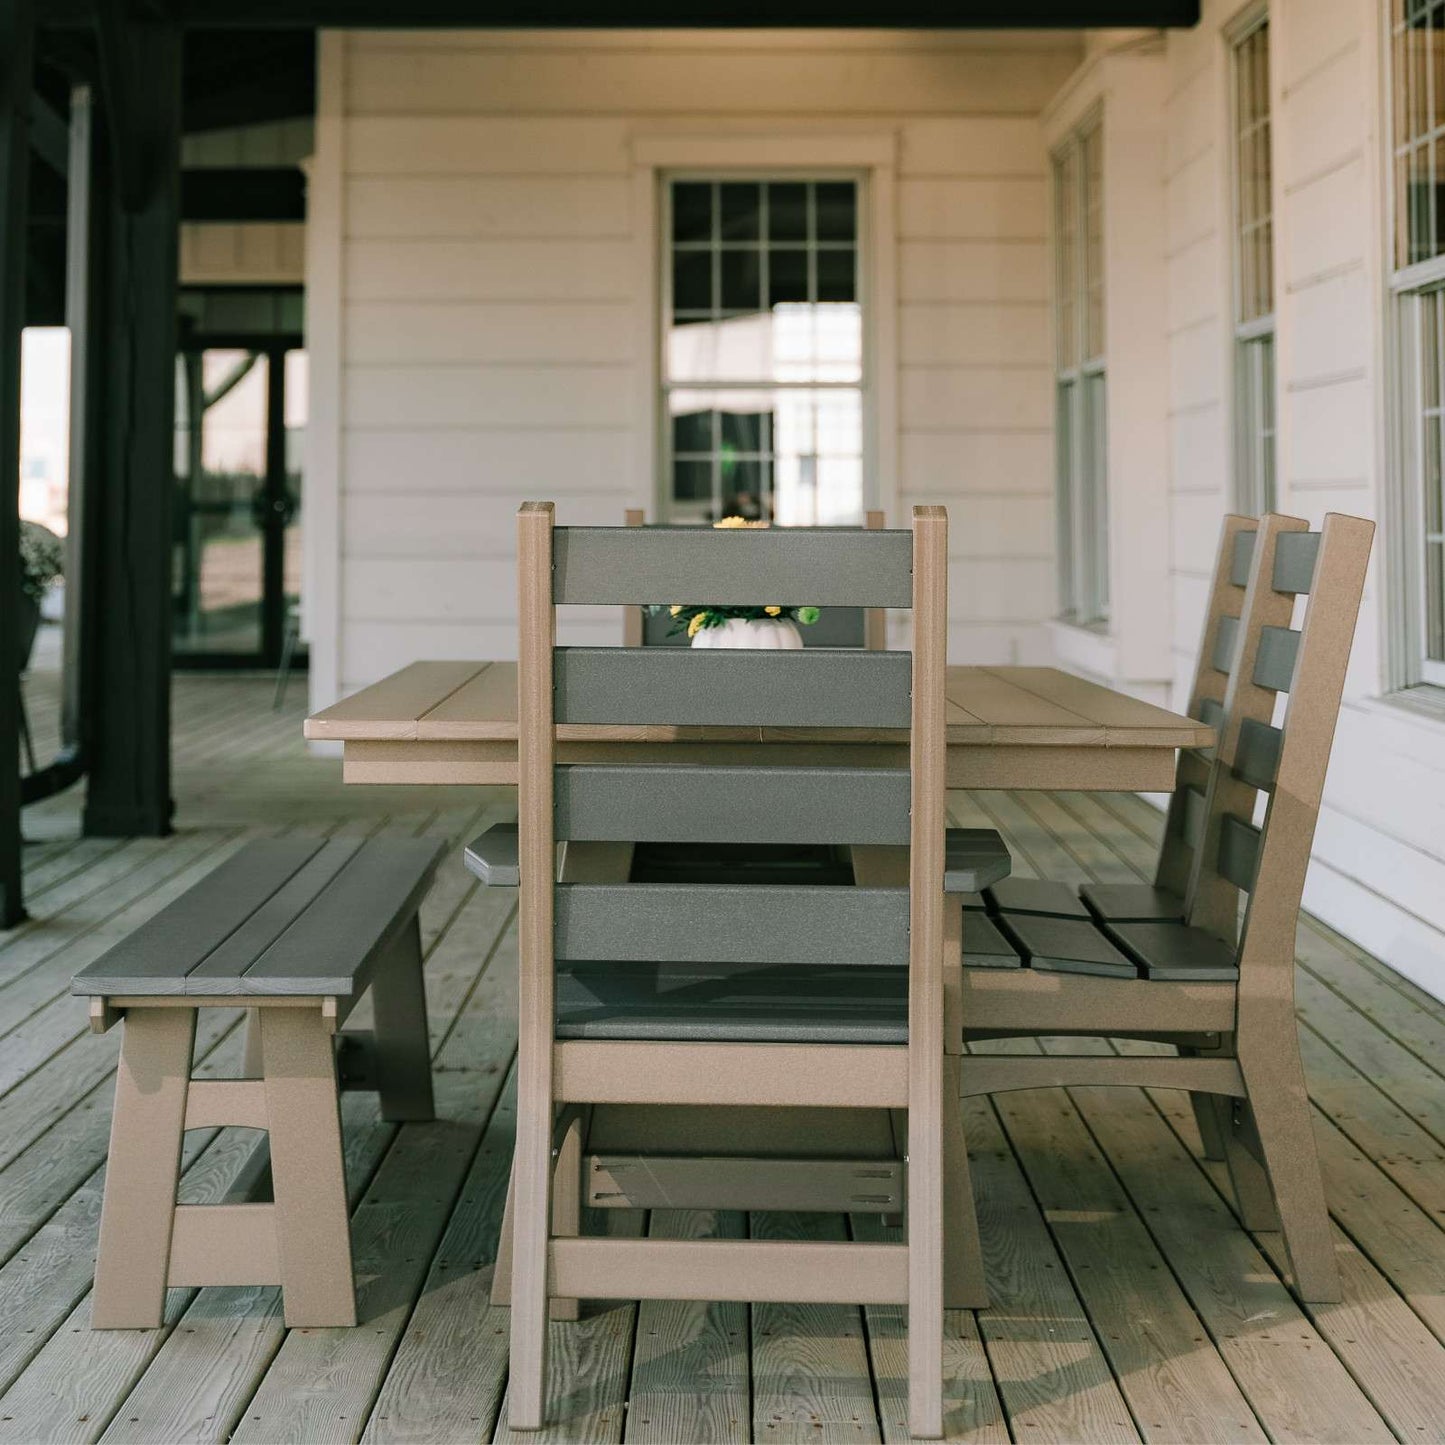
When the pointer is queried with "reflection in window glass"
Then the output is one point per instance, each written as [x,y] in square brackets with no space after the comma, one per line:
[763,351]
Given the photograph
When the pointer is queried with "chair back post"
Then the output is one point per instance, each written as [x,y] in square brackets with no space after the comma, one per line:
[1211,899]
[875,619]
[536,854]
[633,618]
[1268,944]
[1206,696]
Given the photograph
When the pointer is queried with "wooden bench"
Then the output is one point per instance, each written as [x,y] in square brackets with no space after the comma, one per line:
[295,931]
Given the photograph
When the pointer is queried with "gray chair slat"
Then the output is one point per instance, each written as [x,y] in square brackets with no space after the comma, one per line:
[164,949]
[1226,635]
[687,688]
[1211,712]
[821,566]
[757,1005]
[1256,755]
[1067,945]
[732,805]
[493,856]
[1274,663]
[1132,903]
[974,858]
[218,972]
[1036,895]
[1173,952]
[1238,852]
[1193,816]
[724,923]
[984,945]
[973,902]
[1241,559]
[331,949]
[1295,555]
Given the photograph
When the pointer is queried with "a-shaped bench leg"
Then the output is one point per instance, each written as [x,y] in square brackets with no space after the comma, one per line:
[964,1287]
[401,1046]
[143,1168]
[313,1228]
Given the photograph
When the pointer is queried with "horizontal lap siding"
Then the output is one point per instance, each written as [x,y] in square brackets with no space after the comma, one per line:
[490,332]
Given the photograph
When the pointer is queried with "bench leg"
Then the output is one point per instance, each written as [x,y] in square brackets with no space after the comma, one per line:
[964,1287]
[401,1043]
[313,1229]
[143,1169]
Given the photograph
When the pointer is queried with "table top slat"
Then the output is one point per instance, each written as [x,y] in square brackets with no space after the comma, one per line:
[1125,718]
[392,707]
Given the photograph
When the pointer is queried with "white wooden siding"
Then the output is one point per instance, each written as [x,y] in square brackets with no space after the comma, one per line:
[489,321]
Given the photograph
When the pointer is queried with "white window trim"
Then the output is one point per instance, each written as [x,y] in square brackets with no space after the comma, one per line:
[873,158]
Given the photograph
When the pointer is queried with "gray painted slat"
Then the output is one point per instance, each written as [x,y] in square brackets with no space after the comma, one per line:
[1211,712]
[1238,852]
[1242,558]
[662,922]
[163,950]
[1174,952]
[984,946]
[820,566]
[1274,663]
[974,858]
[493,856]
[217,973]
[1037,895]
[1256,755]
[331,948]
[686,688]
[1226,634]
[1067,945]
[1295,555]
[1193,816]
[732,805]
[1132,903]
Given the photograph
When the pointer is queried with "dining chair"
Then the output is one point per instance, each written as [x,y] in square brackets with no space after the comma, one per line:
[1222,990]
[838,627]
[727,997]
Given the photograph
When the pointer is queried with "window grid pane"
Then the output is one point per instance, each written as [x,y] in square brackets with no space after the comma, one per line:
[1254,236]
[1418,64]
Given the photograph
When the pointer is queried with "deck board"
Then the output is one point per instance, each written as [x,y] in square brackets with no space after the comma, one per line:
[1128,1303]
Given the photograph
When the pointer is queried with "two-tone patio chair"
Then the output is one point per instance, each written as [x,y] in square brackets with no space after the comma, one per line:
[722,998]
[1221,991]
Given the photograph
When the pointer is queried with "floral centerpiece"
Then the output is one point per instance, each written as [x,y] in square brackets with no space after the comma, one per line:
[42,560]
[765,626]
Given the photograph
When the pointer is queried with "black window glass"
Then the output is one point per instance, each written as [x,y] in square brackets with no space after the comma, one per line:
[788,211]
[692,281]
[692,211]
[837,203]
[740,207]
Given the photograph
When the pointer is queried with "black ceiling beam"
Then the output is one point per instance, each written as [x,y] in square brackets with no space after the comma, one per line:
[662,14]
[243,193]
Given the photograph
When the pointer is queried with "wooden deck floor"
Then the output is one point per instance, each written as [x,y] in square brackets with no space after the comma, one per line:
[1128,1302]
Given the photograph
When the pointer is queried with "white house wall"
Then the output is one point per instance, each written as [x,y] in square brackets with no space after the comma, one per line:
[474,272]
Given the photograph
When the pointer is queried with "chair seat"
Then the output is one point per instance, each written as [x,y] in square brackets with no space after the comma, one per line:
[1176,952]
[703,1003]
[1036,895]
[974,859]
[1132,903]
[1067,945]
[984,946]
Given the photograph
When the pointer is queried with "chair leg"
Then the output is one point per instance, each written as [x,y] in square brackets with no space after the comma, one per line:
[925,1262]
[1253,1196]
[1211,1112]
[502,1269]
[313,1227]
[401,1041]
[531,1230]
[964,1286]
[567,1202]
[144,1168]
[1275,1086]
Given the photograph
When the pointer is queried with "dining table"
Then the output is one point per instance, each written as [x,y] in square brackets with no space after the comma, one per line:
[1007,727]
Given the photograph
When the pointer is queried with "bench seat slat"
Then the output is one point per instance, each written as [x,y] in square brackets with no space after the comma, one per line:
[1178,953]
[1067,945]
[167,947]
[1133,903]
[1036,895]
[984,946]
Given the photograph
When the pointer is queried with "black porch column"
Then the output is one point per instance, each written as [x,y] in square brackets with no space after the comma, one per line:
[139,189]
[17,55]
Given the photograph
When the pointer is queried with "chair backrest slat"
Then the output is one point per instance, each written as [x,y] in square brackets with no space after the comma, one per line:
[1226,638]
[663,804]
[1241,555]
[1275,662]
[817,566]
[1239,852]
[682,687]
[1294,562]
[1256,758]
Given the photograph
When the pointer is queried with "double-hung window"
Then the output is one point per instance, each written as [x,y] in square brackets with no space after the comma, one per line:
[1254,376]
[1417,65]
[1082,472]
[763,356]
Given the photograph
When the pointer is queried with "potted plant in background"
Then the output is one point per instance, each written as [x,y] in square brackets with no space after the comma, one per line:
[765,626]
[42,561]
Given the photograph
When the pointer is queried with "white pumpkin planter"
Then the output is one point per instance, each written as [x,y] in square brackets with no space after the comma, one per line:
[771,633]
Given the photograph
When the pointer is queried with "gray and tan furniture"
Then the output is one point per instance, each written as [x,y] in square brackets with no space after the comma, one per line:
[1222,991]
[720,997]
[296,931]
[837,627]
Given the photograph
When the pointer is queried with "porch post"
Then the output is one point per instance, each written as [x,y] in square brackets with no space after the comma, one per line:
[17,55]
[139,189]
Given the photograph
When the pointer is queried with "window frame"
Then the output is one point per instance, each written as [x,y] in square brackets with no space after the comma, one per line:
[662,273]
[1080,380]
[1254,353]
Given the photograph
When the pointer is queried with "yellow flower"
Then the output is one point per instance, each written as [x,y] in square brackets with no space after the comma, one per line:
[738,522]
[773,611]
[692,627]
[675,609]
